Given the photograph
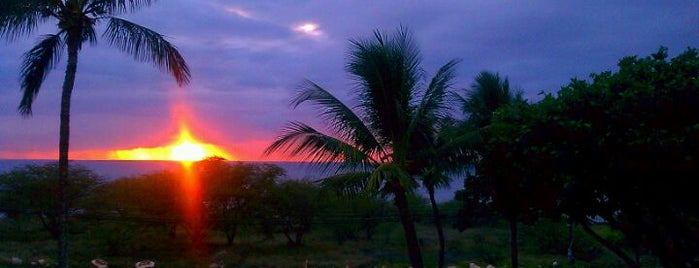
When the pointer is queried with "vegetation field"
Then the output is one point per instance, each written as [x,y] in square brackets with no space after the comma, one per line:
[122,243]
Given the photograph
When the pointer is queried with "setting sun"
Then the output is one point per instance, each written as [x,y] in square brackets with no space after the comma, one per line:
[185,149]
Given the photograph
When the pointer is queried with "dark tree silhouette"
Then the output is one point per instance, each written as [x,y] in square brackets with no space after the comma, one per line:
[372,144]
[76,21]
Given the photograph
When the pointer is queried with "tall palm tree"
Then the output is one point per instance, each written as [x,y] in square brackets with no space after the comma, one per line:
[372,144]
[437,145]
[488,93]
[76,21]
[443,154]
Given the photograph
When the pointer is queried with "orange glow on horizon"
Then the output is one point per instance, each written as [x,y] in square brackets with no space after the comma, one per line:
[184,149]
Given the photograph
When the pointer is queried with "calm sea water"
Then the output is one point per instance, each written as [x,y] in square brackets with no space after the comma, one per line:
[114,169]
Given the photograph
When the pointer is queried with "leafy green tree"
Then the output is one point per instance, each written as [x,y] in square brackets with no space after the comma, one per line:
[628,144]
[152,199]
[262,189]
[137,212]
[373,144]
[294,205]
[621,147]
[222,194]
[351,216]
[505,168]
[27,191]
[76,21]
[234,193]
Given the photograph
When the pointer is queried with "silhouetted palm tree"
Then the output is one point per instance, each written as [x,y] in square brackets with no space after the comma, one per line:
[437,144]
[442,154]
[76,21]
[488,93]
[374,144]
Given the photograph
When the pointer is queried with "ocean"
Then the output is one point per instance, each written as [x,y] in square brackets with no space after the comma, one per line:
[115,169]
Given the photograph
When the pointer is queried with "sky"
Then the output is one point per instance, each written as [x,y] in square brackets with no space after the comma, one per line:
[247,59]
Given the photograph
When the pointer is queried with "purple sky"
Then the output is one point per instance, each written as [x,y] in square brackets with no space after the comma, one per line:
[248,57]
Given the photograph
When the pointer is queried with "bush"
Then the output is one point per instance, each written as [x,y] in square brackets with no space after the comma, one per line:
[552,237]
[489,249]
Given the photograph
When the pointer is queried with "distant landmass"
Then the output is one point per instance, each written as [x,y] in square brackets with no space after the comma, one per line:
[115,169]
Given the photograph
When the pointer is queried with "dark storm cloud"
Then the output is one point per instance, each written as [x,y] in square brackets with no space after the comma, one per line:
[247,59]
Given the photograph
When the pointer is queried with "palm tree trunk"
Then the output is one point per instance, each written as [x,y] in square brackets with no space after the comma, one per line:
[438,225]
[50,225]
[613,248]
[63,142]
[513,242]
[571,239]
[231,231]
[406,219]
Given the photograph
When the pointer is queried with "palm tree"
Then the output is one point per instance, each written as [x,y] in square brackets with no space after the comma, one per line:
[76,21]
[442,155]
[438,145]
[488,93]
[372,145]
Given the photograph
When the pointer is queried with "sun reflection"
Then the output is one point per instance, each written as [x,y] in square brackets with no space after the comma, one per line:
[192,206]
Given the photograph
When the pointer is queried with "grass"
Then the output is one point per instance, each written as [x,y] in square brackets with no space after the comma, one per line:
[482,245]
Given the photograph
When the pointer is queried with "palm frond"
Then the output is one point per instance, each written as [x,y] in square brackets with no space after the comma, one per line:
[460,146]
[36,65]
[89,35]
[300,139]
[458,98]
[407,55]
[346,184]
[391,175]
[21,17]
[342,120]
[117,7]
[447,154]
[430,115]
[434,106]
[148,46]
[386,71]
[434,178]
[435,100]
[488,92]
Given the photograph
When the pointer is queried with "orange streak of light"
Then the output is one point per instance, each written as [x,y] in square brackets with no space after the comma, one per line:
[194,216]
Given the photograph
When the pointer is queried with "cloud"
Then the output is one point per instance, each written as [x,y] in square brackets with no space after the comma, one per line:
[238,11]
